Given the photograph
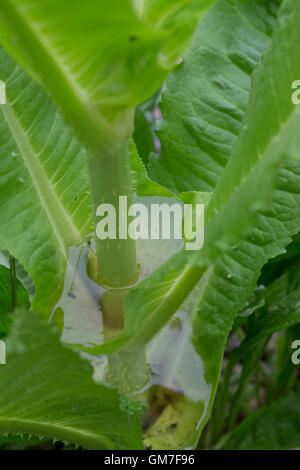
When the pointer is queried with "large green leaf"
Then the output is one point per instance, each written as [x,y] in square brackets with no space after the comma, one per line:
[276,427]
[233,277]
[271,125]
[47,390]
[205,97]
[45,204]
[100,58]
[245,186]
[235,255]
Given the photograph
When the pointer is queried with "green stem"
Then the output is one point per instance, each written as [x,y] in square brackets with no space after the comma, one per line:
[281,354]
[224,397]
[236,403]
[13,274]
[110,178]
[128,372]
[249,364]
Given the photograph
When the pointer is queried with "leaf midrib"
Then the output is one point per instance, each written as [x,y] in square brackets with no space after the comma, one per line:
[64,229]
[274,139]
